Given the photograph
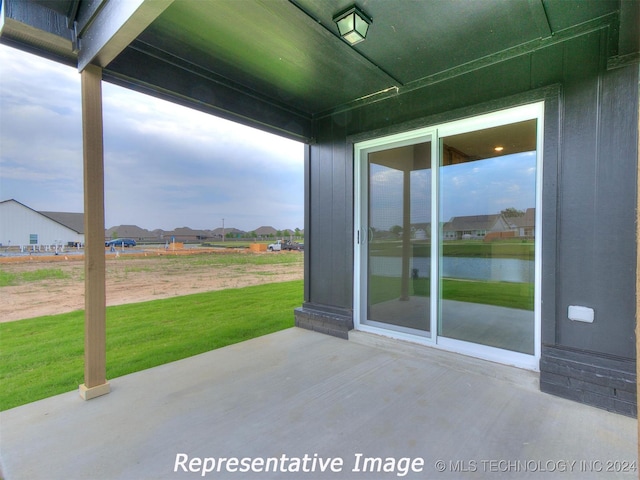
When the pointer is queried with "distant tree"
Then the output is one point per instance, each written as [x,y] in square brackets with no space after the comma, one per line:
[512,212]
[253,234]
[297,232]
[114,235]
[279,233]
[396,229]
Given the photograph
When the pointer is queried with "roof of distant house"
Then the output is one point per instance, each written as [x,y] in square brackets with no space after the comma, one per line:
[128,231]
[73,221]
[472,222]
[227,231]
[189,231]
[265,231]
[526,220]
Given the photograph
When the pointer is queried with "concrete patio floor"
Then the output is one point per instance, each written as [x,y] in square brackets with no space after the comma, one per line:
[297,393]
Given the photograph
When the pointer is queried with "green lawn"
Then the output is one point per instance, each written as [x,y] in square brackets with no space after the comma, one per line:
[223,259]
[9,278]
[524,250]
[43,356]
[502,294]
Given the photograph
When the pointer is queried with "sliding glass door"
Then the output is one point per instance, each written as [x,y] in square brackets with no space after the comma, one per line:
[487,242]
[473,187]
[399,237]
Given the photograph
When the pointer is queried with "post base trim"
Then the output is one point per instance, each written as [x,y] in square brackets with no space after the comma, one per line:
[87,393]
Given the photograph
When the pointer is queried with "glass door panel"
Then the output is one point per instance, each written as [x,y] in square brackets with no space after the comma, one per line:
[398,227]
[487,182]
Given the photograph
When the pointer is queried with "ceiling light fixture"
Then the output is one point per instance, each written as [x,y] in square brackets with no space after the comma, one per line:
[499,149]
[353,24]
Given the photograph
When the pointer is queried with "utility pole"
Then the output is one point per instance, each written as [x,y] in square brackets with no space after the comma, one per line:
[223,229]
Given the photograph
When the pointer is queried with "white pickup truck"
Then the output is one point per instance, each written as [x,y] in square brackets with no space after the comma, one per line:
[284,245]
[275,247]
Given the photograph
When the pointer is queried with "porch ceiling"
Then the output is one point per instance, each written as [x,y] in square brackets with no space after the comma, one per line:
[280,64]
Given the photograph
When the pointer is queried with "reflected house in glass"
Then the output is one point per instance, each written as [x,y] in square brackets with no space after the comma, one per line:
[474,227]
[524,225]
[471,83]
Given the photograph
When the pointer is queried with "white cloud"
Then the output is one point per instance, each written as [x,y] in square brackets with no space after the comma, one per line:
[165,165]
[488,186]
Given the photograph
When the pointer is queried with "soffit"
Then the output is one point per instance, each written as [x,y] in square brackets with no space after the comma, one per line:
[267,46]
[415,39]
[278,64]
[480,144]
[290,51]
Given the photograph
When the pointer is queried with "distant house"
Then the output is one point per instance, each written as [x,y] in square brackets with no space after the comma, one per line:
[421,230]
[22,225]
[219,232]
[263,232]
[295,233]
[474,227]
[186,234]
[130,231]
[524,225]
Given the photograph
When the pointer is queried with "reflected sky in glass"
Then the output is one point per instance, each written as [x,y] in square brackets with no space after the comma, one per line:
[480,187]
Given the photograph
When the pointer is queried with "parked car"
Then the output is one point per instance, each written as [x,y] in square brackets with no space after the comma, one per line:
[118,242]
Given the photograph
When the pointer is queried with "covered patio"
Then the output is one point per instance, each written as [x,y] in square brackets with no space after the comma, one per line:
[369,403]
[297,393]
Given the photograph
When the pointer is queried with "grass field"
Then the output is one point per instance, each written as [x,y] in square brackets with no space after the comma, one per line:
[234,258]
[43,356]
[501,294]
[9,278]
[523,250]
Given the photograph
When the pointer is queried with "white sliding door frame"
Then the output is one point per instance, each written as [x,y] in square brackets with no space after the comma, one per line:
[361,234]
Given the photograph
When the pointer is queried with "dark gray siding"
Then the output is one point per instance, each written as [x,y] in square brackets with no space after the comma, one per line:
[589,189]
[330,196]
[596,235]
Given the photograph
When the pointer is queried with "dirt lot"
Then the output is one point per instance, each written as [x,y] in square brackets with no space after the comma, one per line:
[130,280]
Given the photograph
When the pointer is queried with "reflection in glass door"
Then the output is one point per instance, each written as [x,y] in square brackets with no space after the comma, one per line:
[399,233]
[487,244]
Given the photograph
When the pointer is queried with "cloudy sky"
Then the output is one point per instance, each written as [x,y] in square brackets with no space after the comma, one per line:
[482,187]
[165,166]
[486,187]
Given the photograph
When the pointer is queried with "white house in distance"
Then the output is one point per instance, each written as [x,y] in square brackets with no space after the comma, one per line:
[23,226]
[474,227]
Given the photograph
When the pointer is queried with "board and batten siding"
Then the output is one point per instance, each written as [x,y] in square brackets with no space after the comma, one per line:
[589,199]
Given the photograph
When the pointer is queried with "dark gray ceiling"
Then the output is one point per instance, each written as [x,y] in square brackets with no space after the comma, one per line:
[267,46]
[291,50]
[280,64]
